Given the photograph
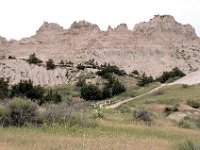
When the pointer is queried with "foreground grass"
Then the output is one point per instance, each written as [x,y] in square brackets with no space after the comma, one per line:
[32,139]
[116,132]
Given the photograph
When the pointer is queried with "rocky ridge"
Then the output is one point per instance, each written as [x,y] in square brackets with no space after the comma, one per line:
[152,47]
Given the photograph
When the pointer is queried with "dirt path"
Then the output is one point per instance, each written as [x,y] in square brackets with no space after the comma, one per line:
[130,99]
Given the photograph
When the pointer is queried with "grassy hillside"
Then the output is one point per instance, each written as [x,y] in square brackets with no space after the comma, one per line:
[114,128]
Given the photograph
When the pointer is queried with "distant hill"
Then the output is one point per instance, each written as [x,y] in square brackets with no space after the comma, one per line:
[152,47]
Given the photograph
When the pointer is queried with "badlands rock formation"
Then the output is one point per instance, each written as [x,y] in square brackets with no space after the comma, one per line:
[152,47]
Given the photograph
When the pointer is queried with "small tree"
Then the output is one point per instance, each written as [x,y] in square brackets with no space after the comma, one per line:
[135,73]
[69,63]
[90,92]
[62,64]
[80,67]
[118,88]
[50,64]
[106,93]
[33,59]
[4,91]
[167,75]
[145,80]
[26,89]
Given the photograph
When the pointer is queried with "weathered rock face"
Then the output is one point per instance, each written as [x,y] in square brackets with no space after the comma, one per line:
[49,27]
[152,47]
[3,41]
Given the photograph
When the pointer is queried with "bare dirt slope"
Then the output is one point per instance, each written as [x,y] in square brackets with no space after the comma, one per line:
[190,79]
[152,47]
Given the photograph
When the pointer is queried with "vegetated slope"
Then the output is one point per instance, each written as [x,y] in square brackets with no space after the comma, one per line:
[152,47]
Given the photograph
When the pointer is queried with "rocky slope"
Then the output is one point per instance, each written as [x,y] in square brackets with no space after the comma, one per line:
[152,47]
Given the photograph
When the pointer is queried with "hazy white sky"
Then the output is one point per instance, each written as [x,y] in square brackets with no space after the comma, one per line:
[21,18]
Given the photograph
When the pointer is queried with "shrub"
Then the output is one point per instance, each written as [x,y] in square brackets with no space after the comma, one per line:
[4,91]
[109,77]
[51,97]
[185,86]
[69,63]
[11,57]
[144,80]
[193,104]
[50,64]
[175,73]
[169,110]
[20,112]
[66,114]
[118,88]
[92,64]
[142,115]
[81,81]
[107,68]
[188,145]
[135,72]
[62,64]
[106,93]
[80,67]
[33,59]
[26,89]
[90,92]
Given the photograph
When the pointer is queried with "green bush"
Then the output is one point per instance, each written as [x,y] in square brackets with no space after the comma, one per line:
[20,112]
[193,104]
[50,64]
[90,92]
[69,63]
[118,88]
[176,72]
[106,93]
[33,59]
[4,90]
[185,86]
[92,64]
[109,77]
[26,89]
[144,80]
[51,97]
[62,64]
[80,67]
[107,68]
